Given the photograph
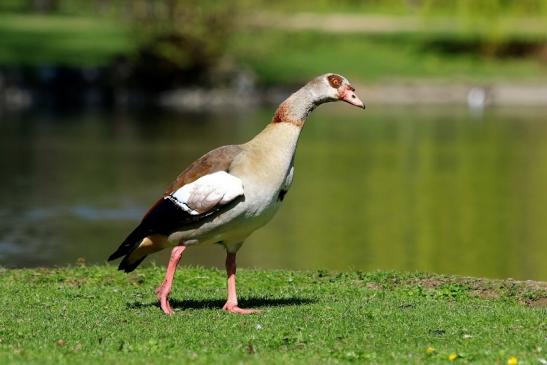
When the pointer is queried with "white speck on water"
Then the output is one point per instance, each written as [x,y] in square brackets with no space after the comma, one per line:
[476,98]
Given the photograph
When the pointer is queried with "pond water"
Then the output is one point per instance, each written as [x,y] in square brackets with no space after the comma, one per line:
[431,189]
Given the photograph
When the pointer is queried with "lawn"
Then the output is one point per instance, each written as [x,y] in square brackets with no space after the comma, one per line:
[370,58]
[98,315]
[275,56]
[34,39]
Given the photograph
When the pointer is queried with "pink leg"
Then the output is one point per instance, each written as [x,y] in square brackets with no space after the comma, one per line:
[165,288]
[231,302]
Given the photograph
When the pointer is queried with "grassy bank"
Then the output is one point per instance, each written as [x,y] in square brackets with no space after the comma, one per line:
[34,39]
[275,56]
[95,314]
[381,58]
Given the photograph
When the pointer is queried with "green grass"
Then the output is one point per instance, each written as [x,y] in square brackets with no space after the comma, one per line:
[436,7]
[57,39]
[276,56]
[98,315]
[286,57]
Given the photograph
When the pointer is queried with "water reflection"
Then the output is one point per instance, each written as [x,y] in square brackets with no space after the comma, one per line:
[431,189]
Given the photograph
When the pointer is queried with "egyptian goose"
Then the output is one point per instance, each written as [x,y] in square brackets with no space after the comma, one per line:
[230,192]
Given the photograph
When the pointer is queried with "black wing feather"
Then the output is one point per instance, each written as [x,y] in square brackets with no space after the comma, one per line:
[164,218]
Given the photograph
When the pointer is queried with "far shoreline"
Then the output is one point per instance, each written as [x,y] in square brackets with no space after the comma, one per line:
[418,92]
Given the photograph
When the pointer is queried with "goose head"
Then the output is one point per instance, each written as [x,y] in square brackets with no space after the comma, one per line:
[334,87]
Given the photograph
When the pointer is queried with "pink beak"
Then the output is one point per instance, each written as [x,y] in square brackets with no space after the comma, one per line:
[347,93]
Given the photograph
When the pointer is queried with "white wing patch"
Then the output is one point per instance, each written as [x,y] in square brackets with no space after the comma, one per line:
[207,192]
[288,179]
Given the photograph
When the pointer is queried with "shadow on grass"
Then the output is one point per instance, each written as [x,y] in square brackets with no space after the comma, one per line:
[253,302]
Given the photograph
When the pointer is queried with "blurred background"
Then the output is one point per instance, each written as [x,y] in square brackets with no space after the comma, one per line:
[104,102]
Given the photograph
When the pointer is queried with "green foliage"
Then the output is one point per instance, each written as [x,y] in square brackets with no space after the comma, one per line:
[494,22]
[485,8]
[96,314]
[183,41]
[202,28]
[180,41]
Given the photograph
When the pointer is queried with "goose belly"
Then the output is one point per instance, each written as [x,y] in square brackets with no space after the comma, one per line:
[233,226]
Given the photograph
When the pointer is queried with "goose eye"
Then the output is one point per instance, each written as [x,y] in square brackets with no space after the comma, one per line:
[335,81]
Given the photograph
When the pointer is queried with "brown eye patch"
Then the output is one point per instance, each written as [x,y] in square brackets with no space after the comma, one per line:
[335,81]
